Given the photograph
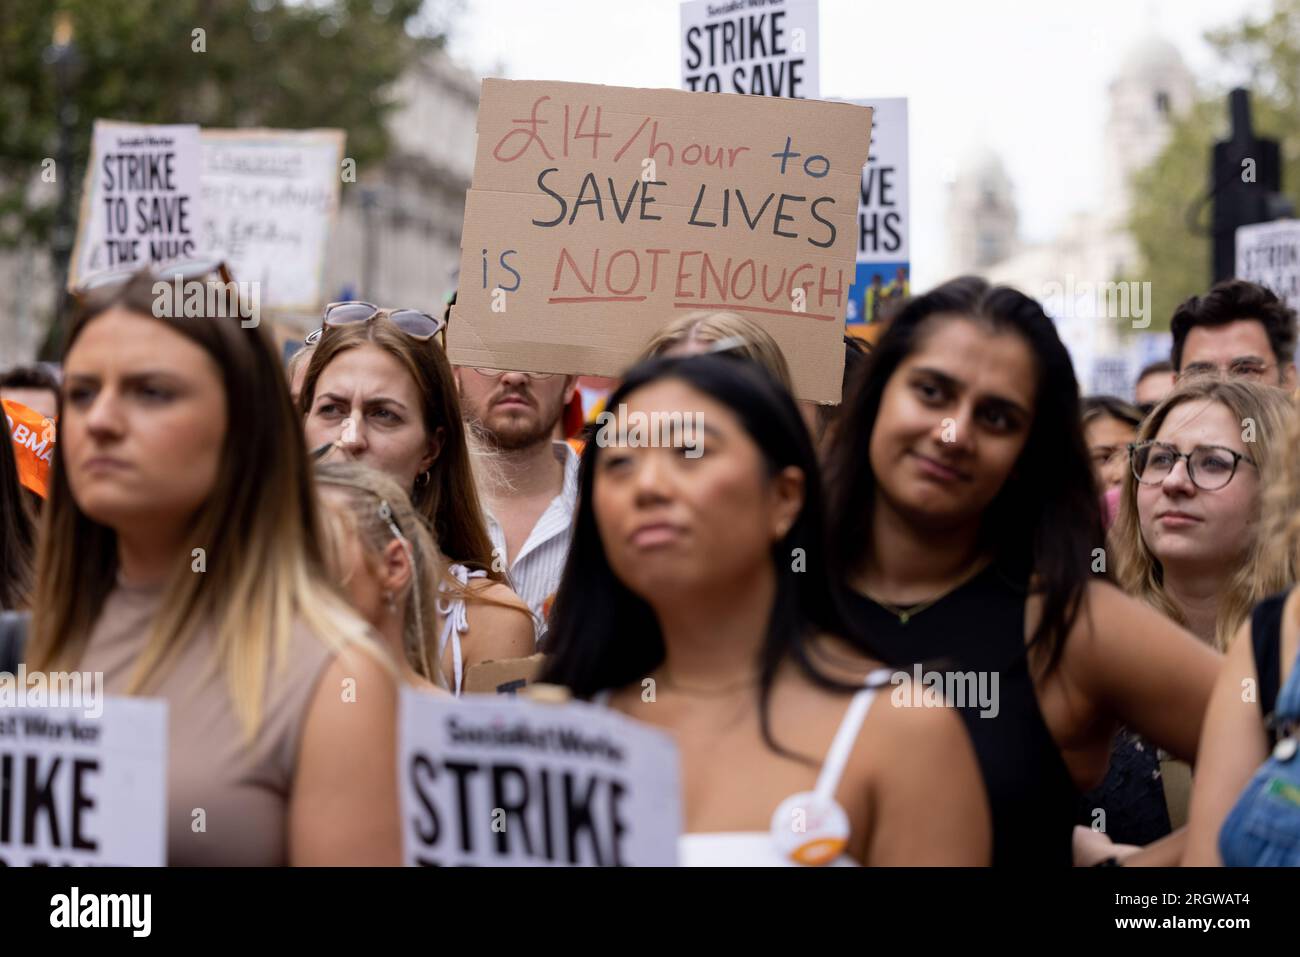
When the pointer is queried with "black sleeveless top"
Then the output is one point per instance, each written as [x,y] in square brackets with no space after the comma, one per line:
[1266,642]
[980,627]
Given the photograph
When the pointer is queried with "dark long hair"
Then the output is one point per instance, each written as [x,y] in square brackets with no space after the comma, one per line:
[1046,519]
[17,532]
[602,635]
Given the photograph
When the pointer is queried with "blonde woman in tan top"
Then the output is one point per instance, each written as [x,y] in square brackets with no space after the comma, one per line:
[182,557]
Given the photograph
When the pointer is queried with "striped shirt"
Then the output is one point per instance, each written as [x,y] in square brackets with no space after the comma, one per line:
[535,572]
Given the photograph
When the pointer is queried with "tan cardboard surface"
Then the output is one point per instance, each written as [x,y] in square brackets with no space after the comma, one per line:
[503,676]
[666,202]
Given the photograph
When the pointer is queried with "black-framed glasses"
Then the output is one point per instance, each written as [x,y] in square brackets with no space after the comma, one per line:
[1210,467]
[496,373]
[189,269]
[416,324]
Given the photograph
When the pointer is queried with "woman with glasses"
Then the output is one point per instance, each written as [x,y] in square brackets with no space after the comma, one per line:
[182,559]
[968,531]
[378,390]
[1245,810]
[437,619]
[1187,543]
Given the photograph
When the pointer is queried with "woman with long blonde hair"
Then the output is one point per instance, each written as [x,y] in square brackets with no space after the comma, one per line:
[1187,538]
[181,558]
[1187,541]
[438,618]
[1241,810]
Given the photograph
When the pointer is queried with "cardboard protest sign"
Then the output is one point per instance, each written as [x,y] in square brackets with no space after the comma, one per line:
[598,214]
[140,198]
[883,273]
[761,47]
[78,790]
[502,781]
[269,201]
[33,437]
[1269,254]
[505,676]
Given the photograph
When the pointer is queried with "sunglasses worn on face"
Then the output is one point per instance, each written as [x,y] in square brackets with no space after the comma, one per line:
[416,324]
[495,373]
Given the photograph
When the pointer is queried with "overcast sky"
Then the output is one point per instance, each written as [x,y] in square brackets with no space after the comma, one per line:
[1026,78]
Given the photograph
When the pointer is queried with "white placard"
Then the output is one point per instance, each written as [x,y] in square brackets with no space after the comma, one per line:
[269,201]
[497,781]
[762,47]
[884,271]
[76,790]
[1269,254]
[141,198]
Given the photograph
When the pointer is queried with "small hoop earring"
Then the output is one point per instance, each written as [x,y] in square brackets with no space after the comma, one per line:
[422,479]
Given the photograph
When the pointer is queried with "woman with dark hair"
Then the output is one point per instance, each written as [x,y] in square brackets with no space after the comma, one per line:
[968,529]
[17,532]
[696,599]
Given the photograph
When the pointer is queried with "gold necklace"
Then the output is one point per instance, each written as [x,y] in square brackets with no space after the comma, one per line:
[708,692]
[905,613]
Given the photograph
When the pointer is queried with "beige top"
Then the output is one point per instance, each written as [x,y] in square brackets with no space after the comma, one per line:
[242,789]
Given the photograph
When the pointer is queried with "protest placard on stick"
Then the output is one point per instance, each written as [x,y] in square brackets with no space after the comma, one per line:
[883,276]
[140,200]
[493,780]
[270,199]
[760,47]
[1269,254]
[598,214]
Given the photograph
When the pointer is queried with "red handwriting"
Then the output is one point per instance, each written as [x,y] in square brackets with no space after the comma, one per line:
[701,281]
[583,122]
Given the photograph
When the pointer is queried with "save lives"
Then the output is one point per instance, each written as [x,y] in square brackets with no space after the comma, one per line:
[467,809]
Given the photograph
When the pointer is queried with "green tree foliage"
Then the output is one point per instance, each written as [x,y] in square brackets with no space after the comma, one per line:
[1169,194]
[275,63]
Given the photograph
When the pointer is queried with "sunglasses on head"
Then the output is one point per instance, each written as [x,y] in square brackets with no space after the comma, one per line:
[189,269]
[416,324]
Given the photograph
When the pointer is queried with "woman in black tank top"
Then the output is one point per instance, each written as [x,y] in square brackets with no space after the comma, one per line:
[968,533]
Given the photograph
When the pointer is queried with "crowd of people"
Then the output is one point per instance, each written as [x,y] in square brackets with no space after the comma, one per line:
[1107,584]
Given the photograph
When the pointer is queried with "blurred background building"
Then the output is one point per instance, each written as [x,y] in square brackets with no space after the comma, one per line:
[1152,89]
[397,239]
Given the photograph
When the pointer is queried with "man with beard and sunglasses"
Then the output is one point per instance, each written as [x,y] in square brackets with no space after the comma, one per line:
[532,492]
